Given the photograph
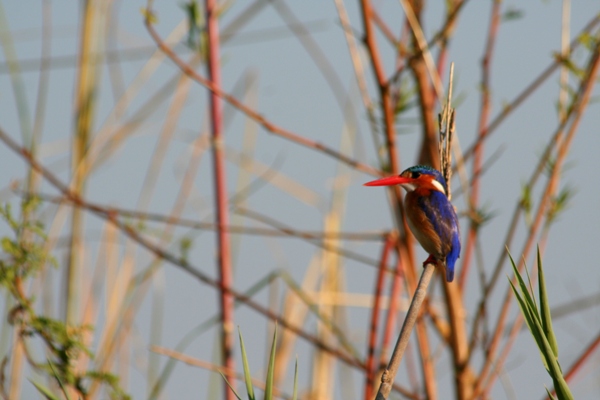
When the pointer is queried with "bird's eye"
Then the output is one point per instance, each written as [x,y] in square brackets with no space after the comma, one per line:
[415,175]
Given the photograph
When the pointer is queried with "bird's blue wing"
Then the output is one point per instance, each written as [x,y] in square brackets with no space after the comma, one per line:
[441,214]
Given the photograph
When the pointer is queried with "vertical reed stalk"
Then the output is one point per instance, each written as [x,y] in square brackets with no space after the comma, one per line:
[484,114]
[375,312]
[565,49]
[85,103]
[18,85]
[222,217]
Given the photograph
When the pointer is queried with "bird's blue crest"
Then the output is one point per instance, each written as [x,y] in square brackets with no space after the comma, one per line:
[427,170]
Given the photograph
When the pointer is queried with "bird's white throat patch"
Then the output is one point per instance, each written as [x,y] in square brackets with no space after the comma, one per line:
[438,186]
[409,186]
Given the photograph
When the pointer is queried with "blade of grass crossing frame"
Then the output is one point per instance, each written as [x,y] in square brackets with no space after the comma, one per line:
[545,308]
[197,331]
[62,387]
[271,369]
[560,385]
[295,393]
[534,322]
[526,305]
[529,300]
[530,323]
[44,391]
[230,387]
[247,375]
[550,396]
[530,292]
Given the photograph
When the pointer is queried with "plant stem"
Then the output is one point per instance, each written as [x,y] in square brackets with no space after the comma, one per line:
[484,114]
[222,217]
[387,379]
[372,343]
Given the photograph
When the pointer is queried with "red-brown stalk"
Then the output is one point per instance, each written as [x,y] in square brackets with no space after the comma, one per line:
[478,149]
[372,342]
[220,192]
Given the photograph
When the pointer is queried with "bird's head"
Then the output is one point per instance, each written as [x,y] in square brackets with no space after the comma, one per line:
[419,176]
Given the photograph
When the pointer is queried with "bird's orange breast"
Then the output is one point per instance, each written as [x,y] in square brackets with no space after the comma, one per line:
[420,225]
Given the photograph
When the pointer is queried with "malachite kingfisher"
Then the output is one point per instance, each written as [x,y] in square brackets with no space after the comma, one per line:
[430,215]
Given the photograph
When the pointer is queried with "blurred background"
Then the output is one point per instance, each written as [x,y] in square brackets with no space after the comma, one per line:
[319,89]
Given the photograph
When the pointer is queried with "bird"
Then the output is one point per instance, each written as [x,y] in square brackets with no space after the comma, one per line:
[430,215]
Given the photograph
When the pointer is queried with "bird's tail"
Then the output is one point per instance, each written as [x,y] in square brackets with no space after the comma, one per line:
[449,273]
[451,259]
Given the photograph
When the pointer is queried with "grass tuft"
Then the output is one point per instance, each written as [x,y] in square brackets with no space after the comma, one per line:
[539,322]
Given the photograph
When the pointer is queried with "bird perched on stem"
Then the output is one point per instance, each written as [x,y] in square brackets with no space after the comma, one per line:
[431,216]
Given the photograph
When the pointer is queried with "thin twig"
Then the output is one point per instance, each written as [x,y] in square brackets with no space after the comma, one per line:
[279,230]
[583,357]
[390,321]
[421,45]
[359,72]
[372,342]
[411,316]
[473,200]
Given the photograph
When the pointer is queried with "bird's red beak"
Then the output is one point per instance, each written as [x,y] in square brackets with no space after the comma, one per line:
[388,181]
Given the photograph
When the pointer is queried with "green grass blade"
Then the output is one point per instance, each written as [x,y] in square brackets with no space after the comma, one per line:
[529,319]
[295,393]
[545,308]
[197,331]
[271,368]
[62,387]
[537,329]
[550,396]
[524,291]
[230,387]
[560,385]
[531,292]
[44,391]
[247,374]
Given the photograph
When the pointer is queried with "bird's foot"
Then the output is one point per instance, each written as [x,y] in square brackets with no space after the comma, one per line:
[430,260]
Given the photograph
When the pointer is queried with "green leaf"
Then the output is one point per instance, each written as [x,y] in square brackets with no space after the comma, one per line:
[560,385]
[531,306]
[512,14]
[44,391]
[247,375]
[530,291]
[230,387]
[9,247]
[62,387]
[185,245]
[525,202]
[149,16]
[545,308]
[271,368]
[529,320]
[295,393]
[550,396]
[538,330]
[526,309]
